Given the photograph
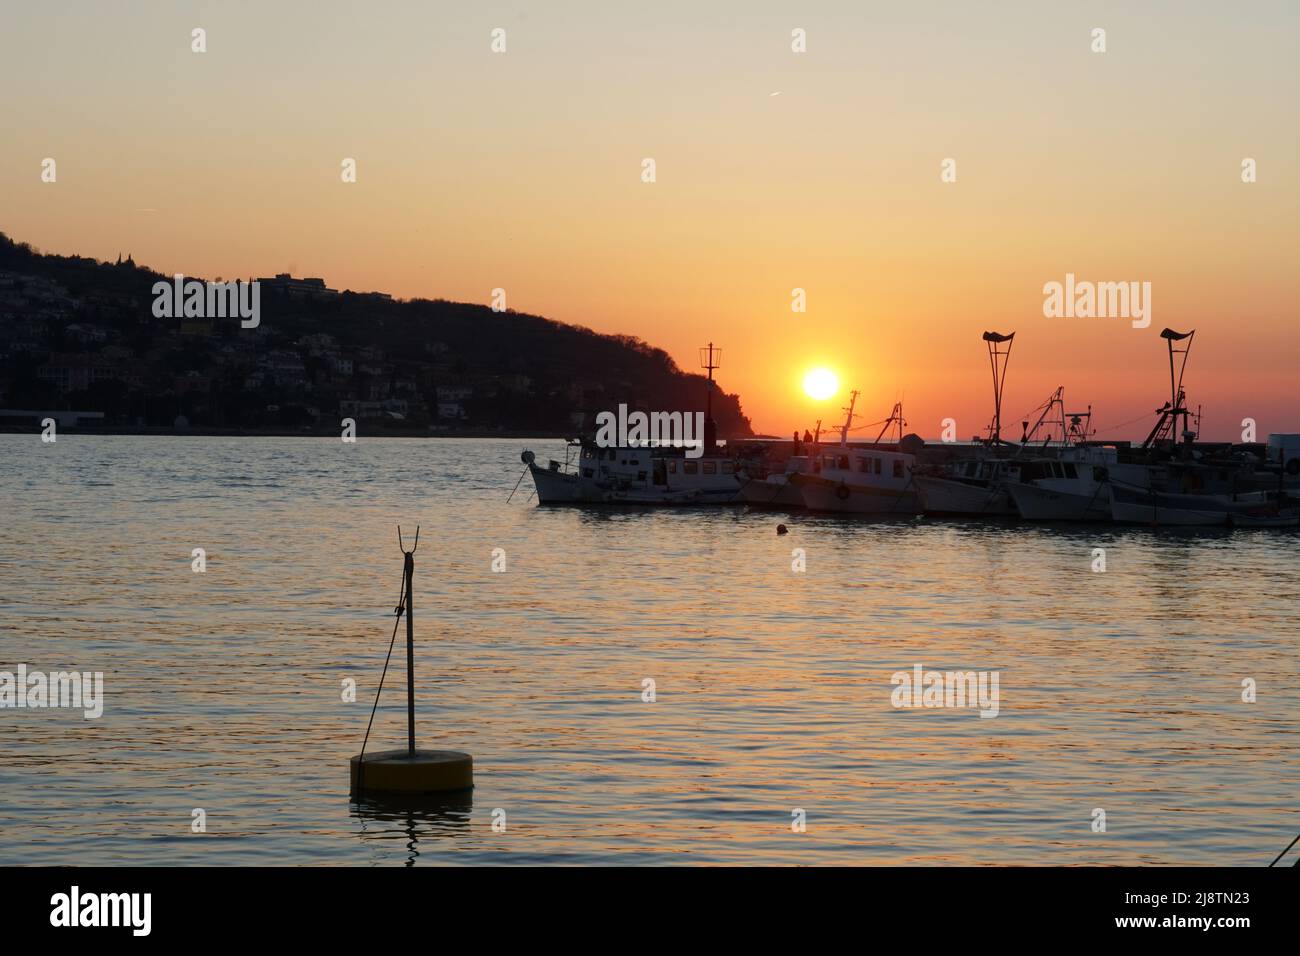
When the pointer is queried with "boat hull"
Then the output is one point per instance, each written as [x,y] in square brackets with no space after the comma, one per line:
[1043,504]
[555,487]
[1284,520]
[945,496]
[1143,506]
[821,494]
[771,494]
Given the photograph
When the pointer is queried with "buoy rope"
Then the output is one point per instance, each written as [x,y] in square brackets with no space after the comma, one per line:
[397,611]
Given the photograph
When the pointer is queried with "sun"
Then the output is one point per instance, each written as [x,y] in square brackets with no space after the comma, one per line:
[821,384]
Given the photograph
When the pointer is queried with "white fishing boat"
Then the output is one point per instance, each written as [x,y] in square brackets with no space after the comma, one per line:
[634,476]
[674,470]
[871,479]
[1066,491]
[840,491]
[1072,486]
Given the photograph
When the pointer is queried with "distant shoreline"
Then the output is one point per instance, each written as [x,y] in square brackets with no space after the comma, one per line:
[362,432]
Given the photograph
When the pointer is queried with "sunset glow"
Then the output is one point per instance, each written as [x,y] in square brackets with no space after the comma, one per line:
[856,434]
[523,172]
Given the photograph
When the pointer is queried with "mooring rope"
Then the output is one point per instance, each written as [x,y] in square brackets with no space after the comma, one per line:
[780,487]
[1284,852]
[903,493]
[517,483]
[994,490]
[1100,486]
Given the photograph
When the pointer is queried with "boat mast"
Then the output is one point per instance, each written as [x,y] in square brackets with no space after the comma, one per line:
[848,418]
[710,358]
[1166,426]
[1057,401]
[896,419]
[993,340]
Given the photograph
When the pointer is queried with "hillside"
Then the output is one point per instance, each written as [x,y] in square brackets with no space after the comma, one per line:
[80,334]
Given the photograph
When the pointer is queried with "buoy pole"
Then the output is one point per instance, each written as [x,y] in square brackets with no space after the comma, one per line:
[401,774]
[410,658]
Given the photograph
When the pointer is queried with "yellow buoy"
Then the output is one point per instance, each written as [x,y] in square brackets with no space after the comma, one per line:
[398,771]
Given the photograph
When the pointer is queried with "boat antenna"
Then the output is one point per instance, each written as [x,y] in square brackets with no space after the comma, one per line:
[993,340]
[1081,430]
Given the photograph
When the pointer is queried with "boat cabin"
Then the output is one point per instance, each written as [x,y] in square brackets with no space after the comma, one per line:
[658,468]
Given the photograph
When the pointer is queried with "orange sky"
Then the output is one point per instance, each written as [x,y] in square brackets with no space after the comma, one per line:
[522,171]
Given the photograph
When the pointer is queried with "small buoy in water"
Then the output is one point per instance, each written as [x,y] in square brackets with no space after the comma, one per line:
[782,529]
[409,772]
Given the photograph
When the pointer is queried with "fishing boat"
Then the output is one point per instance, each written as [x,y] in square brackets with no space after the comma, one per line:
[840,488]
[1071,486]
[644,474]
[1178,484]
[872,479]
[591,474]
